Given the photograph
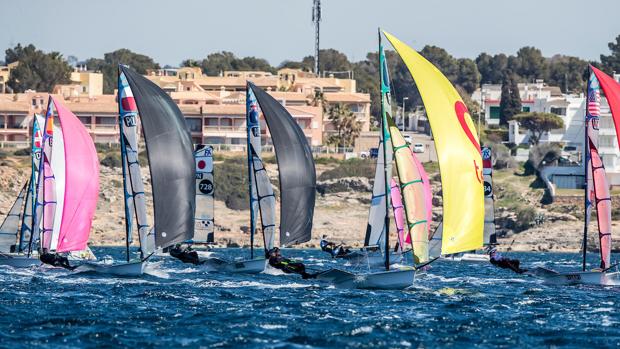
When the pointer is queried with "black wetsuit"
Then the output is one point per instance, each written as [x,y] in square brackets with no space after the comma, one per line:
[290,267]
[185,255]
[506,263]
[335,251]
[56,260]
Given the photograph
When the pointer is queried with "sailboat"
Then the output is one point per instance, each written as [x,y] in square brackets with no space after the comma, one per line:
[171,164]
[597,193]
[414,191]
[262,199]
[68,184]
[18,233]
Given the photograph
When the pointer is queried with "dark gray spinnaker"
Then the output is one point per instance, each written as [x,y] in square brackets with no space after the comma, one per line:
[296,170]
[9,229]
[171,161]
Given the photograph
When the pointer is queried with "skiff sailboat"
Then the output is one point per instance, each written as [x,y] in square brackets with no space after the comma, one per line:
[171,163]
[597,193]
[297,182]
[68,184]
[18,236]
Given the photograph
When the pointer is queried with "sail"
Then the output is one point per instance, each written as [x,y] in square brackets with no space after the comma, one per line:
[80,181]
[428,193]
[171,160]
[375,230]
[10,225]
[266,200]
[399,213]
[611,89]
[47,180]
[296,167]
[458,151]
[434,244]
[37,146]
[490,236]
[205,224]
[597,186]
[133,186]
[25,230]
[252,121]
[412,189]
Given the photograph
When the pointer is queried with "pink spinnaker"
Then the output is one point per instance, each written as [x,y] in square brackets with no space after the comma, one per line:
[399,213]
[82,182]
[428,194]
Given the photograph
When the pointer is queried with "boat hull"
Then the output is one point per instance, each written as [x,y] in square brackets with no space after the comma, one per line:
[121,269]
[361,258]
[467,258]
[386,280]
[250,266]
[577,278]
[19,261]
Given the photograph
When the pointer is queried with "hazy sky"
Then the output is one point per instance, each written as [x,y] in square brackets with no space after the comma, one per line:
[170,31]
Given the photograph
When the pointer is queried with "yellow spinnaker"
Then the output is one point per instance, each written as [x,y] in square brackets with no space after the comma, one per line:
[412,190]
[458,151]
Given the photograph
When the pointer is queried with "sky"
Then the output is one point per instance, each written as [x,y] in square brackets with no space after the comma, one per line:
[278,30]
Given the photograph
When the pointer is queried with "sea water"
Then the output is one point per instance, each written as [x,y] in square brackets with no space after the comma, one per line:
[456,305]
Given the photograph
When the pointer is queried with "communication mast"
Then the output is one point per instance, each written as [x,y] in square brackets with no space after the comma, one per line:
[316,19]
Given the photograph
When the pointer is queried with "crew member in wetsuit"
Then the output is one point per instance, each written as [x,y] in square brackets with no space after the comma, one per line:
[56,260]
[185,255]
[287,265]
[504,262]
[332,248]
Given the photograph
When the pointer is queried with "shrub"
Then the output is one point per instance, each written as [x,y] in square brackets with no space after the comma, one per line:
[526,218]
[351,168]
[231,184]
[22,152]
[112,160]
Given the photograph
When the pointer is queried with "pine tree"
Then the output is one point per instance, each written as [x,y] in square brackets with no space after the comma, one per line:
[510,103]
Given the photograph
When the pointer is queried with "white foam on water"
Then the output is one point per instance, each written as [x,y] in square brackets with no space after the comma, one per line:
[272,326]
[361,330]
[241,284]
[153,269]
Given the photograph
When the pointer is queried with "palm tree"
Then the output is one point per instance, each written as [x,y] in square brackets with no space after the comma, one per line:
[347,126]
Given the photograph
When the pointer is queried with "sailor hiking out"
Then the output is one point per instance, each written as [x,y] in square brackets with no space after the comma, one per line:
[289,266]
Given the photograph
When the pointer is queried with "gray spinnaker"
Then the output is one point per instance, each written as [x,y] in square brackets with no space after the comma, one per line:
[171,161]
[296,170]
[10,227]
[25,230]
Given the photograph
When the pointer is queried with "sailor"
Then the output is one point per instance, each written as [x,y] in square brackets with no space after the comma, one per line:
[498,260]
[56,260]
[287,265]
[185,255]
[332,248]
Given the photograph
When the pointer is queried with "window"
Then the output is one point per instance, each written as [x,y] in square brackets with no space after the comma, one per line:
[558,111]
[356,108]
[494,112]
[105,120]
[606,141]
[525,109]
[215,140]
[194,124]
[211,122]
[85,120]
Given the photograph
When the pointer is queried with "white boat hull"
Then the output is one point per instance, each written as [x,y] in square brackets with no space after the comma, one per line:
[467,258]
[249,266]
[386,280]
[577,278]
[361,258]
[116,269]
[19,261]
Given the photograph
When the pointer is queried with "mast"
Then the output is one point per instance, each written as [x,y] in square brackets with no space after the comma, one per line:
[385,166]
[125,192]
[586,164]
[250,170]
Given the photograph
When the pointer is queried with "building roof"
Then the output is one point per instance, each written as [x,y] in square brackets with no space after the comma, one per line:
[347,97]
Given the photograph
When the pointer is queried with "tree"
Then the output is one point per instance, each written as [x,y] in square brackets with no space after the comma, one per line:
[531,64]
[109,66]
[218,62]
[492,68]
[611,63]
[568,73]
[468,76]
[510,103]
[36,70]
[347,126]
[538,124]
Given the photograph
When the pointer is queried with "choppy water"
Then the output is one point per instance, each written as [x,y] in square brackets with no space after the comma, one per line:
[455,305]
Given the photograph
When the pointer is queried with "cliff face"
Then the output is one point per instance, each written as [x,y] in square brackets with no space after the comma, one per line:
[342,209]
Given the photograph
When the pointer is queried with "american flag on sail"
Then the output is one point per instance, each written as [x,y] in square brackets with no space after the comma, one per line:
[594,97]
